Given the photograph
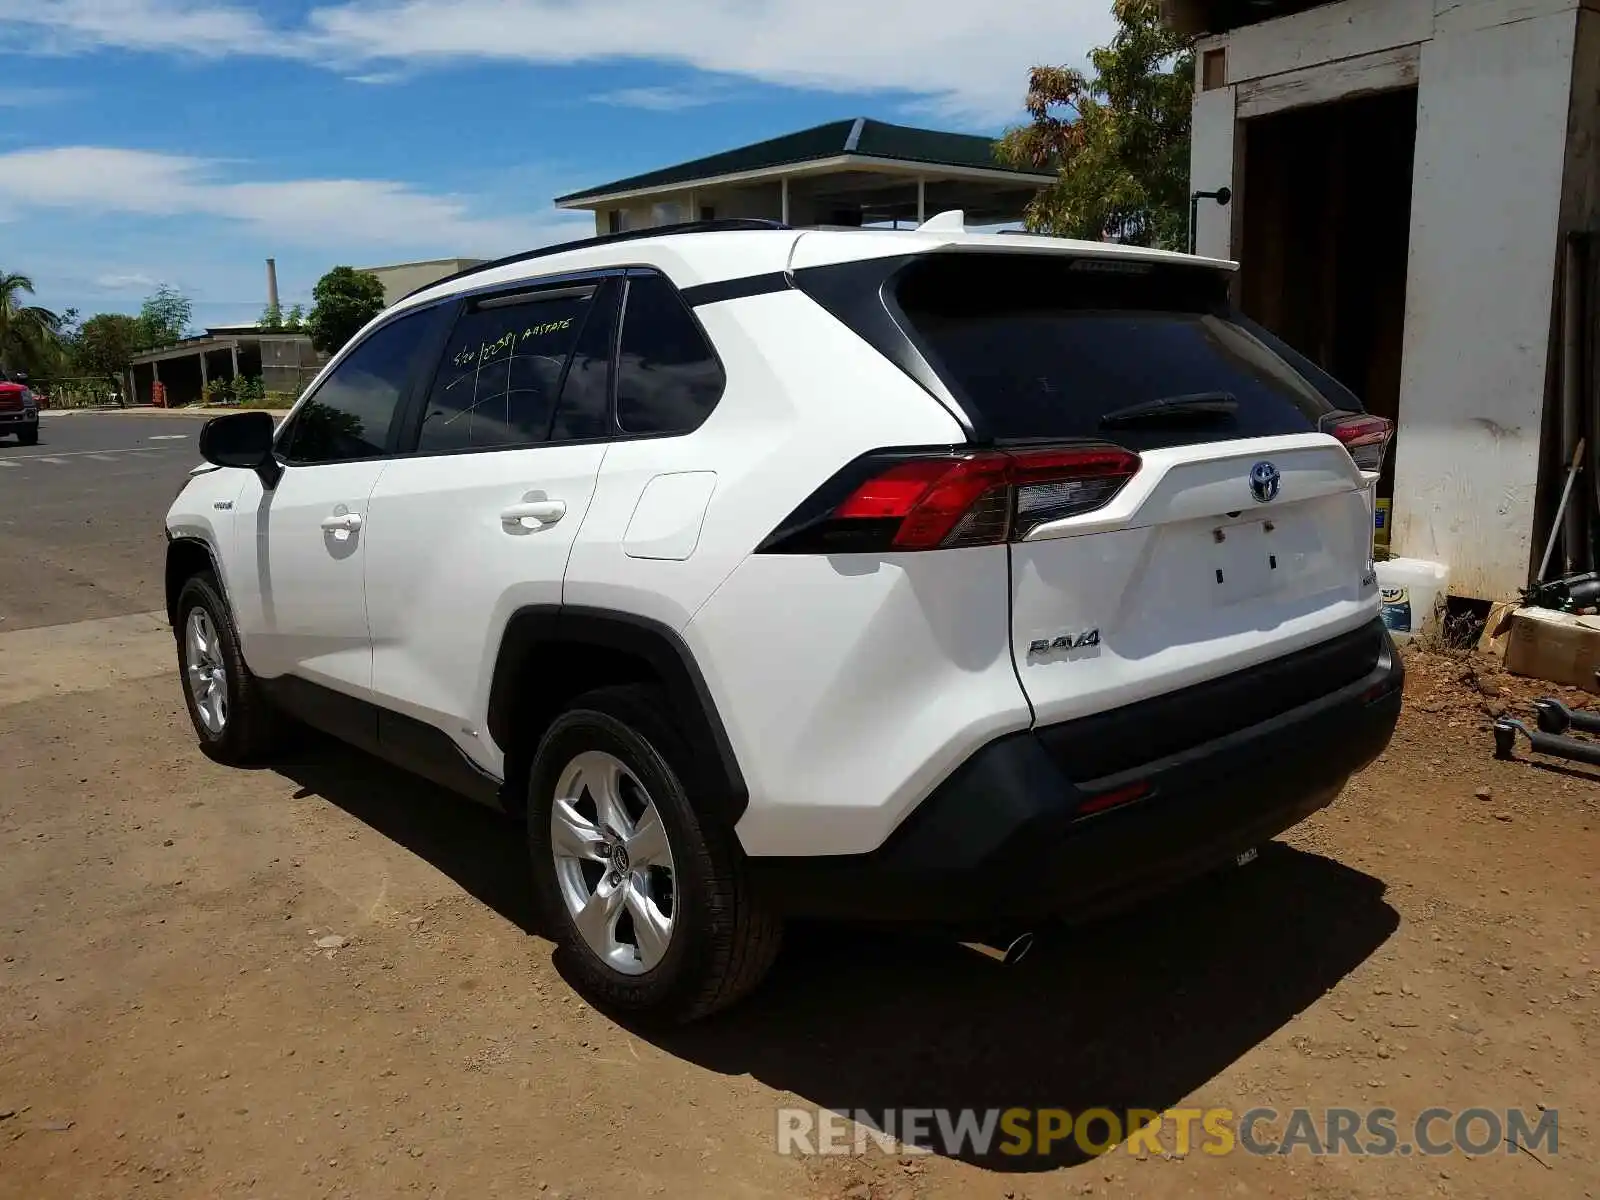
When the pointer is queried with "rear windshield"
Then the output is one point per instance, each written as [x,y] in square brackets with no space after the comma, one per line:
[1040,346]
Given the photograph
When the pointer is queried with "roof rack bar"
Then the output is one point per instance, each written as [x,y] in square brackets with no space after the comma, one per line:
[724,225]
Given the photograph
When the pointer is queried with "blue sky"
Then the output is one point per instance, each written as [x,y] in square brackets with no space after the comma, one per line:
[184,141]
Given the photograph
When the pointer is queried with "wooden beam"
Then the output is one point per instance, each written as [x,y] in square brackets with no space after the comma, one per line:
[1188,17]
[1386,71]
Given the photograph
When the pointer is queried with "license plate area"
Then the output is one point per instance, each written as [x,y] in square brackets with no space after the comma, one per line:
[1246,561]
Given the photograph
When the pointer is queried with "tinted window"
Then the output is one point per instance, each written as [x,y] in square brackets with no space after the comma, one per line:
[501,372]
[585,407]
[1048,346]
[349,415]
[668,378]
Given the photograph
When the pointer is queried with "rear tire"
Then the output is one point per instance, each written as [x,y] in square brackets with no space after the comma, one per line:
[616,757]
[232,717]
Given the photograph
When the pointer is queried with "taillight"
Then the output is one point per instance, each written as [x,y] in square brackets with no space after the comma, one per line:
[904,500]
[1365,436]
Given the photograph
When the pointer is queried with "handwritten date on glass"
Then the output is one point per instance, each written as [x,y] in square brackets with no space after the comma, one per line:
[467,356]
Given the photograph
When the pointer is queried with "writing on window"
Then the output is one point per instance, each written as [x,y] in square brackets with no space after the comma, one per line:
[501,374]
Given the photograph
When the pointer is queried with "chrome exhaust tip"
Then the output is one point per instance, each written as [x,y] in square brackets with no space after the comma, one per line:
[1005,948]
[1017,950]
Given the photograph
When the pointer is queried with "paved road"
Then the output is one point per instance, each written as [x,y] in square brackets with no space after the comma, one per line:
[80,515]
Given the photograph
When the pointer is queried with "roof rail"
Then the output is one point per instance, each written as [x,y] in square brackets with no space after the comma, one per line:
[725,225]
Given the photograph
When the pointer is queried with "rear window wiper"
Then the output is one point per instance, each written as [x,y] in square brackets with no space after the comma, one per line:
[1195,404]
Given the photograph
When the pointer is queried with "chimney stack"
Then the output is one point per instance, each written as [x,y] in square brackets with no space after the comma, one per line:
[272,283]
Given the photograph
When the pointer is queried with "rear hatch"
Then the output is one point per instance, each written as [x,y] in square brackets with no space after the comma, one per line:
[1224,522]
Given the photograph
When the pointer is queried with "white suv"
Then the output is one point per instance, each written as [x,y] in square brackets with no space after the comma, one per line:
[927,576]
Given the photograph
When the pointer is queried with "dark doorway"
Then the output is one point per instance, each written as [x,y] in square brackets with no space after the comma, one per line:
[1326,226]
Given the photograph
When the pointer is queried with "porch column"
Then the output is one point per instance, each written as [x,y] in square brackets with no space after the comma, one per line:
[783,185]
[922,199]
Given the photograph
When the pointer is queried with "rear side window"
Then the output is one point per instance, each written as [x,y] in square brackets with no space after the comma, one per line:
[502,371]
[584,411]
[668,377]
[1050,347]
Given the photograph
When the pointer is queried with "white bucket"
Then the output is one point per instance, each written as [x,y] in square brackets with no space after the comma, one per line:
[1413,590]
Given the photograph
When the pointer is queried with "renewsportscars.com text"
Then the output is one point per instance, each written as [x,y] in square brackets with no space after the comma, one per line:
[1181,1131]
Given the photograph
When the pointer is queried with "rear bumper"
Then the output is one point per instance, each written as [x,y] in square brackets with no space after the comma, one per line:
[1007,838]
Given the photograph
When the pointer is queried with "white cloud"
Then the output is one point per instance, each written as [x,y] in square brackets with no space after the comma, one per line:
[970,60]
[194,26]
[330,213]
[965,61]
[126,282]
[655,99]
[33,97]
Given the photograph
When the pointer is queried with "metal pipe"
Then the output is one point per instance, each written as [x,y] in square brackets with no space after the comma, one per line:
[1222,196]
[1555,717]
[1570,748]
[1573,549]
[1561,509]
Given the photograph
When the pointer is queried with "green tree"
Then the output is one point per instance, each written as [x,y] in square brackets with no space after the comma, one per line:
[30,336]
[342,302]
[274,317]
[104,344]
[164,317]
[1120,143]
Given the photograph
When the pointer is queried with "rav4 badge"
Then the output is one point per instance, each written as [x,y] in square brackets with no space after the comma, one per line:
[1065,641]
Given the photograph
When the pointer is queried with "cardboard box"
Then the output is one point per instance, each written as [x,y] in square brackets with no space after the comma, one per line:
[1554,646]
[1497,628]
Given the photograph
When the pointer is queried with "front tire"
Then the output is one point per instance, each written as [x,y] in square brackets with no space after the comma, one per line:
[646,893]
[28,437]
[233,720]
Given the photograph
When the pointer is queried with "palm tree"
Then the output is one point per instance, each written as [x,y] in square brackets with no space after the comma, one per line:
[29,335]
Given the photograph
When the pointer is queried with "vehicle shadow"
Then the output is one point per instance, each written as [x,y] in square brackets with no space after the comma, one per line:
[1134,1012]
[482,850]
[1131,1013]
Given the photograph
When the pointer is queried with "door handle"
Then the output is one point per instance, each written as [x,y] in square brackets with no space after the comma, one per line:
[545,512]
[345,521]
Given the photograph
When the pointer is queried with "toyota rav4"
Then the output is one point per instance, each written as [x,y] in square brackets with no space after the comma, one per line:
[929,577]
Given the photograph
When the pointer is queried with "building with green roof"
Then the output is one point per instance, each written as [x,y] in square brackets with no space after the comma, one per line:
[852,172]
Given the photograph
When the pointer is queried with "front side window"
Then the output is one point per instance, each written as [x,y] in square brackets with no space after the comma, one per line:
[349,415]
[668,377]
[502,371]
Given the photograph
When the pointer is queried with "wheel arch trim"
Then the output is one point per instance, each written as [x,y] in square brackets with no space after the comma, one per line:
[654,643]
[187,536]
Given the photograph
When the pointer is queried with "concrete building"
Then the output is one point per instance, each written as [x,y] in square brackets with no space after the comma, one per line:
[401,279]
[843,173]
[285,363]
[1416,183]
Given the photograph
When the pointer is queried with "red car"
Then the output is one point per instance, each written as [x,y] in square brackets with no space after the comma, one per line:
[19,410]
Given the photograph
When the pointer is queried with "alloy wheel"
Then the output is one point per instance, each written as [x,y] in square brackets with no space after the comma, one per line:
[613,862]
[208,676]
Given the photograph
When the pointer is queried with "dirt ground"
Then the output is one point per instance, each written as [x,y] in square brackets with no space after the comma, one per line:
[324,980]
